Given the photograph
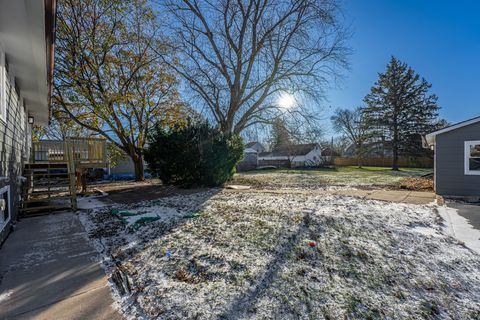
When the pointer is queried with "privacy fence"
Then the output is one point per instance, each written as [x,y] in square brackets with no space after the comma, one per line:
[421,162]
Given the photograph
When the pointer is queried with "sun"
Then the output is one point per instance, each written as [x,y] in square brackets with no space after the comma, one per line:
[286,101]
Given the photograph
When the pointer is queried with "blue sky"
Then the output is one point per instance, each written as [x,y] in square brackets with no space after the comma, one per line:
[439,39]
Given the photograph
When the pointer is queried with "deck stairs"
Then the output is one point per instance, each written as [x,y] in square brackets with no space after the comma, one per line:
[48,187]
[51,172]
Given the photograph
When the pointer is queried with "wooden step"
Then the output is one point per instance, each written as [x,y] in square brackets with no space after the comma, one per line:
[51,165]
[46,192]
[45,174]
[42,210]
[40,200]
[51,171]
[47,207]
[47,184]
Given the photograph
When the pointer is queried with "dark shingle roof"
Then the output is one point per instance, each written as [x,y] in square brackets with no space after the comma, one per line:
[292,150]
[250,144]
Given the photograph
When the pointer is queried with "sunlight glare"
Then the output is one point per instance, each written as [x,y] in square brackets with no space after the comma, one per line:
[286,101]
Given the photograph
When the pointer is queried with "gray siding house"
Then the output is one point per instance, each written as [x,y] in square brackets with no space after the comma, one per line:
[26,61]
[250,156]
[457,158]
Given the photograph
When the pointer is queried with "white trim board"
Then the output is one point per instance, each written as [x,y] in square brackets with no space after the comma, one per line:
[467,157]
[3,88]
[3,224]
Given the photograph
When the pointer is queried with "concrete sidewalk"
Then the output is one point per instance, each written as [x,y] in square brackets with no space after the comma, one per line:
[400,196]
[463,222]
[48,271]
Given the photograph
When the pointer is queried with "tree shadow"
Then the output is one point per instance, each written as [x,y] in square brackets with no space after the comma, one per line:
[240,306]
[46,261]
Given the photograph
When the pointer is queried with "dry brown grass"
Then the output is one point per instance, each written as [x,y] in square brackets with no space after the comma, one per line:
[416,184]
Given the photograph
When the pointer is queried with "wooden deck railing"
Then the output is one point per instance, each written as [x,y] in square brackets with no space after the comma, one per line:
[86,152]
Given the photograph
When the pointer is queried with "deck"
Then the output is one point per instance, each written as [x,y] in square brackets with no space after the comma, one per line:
[82,152]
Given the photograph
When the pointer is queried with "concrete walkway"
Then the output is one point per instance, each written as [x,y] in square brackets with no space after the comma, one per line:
[463,222]
[48,271]
[400,196]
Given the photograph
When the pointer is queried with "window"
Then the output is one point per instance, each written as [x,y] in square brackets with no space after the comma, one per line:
[3,88]
[4,206]
[472,157]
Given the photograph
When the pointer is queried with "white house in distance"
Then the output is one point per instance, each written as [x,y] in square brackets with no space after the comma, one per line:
[26,66]
[294,156]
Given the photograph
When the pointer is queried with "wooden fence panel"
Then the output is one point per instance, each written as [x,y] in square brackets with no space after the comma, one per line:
[386,162]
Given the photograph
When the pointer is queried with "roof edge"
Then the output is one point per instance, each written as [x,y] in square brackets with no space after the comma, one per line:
[430,138]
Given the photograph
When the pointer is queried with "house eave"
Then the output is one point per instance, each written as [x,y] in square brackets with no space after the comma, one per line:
[26,37]
[431,137]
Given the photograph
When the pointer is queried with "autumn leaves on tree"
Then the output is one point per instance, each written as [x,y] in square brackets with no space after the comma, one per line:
[110,77]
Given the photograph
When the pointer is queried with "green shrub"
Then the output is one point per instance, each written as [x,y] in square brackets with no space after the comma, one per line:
[196,155]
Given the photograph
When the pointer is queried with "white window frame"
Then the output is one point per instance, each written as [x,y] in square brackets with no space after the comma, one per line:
[3,88]
[469,172]
[3,223]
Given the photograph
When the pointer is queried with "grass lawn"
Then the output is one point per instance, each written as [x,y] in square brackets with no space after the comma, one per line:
[326,177]
[250,255]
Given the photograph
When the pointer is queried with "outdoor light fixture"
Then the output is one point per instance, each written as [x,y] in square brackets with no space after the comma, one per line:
[31,119]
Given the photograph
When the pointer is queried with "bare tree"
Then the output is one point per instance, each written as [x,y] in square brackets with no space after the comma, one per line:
[351,123]
[240,56]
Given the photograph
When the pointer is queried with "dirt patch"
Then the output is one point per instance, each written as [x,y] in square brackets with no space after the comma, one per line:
[130,192]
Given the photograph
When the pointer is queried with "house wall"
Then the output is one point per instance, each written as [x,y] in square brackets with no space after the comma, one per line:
[249,161]
[450,178]
[313,158]
[15,143]
[310,159]
[124,166]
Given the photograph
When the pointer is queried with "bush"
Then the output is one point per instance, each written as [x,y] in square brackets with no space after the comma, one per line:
[196,155]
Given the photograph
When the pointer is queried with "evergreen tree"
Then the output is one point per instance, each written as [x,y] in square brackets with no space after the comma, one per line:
[400,108]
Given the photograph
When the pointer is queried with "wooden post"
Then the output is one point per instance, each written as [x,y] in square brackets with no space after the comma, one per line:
[71,173]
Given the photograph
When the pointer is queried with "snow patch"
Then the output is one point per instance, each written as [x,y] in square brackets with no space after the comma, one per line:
[5,296]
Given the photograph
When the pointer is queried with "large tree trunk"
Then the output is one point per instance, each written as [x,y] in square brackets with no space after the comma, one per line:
[139,169]
[395,145]
[359,154]
[395,160]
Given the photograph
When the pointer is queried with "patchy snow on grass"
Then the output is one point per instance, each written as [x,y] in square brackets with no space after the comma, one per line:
[242,255]
[4,296]
[318,179]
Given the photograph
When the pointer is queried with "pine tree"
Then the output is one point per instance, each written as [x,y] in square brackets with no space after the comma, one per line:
[400,108]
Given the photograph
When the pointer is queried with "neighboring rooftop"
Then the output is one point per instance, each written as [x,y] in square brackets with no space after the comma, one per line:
[251,144]
[291,150]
